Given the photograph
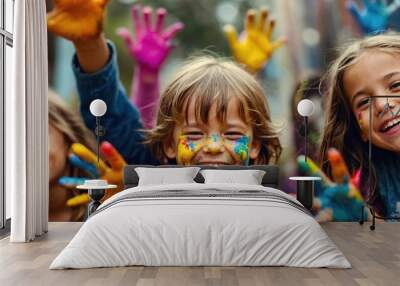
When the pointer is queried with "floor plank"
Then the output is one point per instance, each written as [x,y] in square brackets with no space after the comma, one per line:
[374,255]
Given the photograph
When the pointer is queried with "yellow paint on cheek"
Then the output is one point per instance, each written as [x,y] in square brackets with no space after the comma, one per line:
[360,121]
[363,128]
[187,149]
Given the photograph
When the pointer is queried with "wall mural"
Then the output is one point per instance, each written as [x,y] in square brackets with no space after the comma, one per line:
[219,83]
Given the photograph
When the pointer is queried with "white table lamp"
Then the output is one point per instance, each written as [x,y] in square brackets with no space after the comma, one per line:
[305,108]
[98,108]
[96,188]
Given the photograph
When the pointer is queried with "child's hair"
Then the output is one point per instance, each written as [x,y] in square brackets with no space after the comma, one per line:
[70,124]
[342,130]
[209,80]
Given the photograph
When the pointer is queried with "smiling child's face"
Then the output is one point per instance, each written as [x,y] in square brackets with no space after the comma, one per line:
[213,142]
[376,73]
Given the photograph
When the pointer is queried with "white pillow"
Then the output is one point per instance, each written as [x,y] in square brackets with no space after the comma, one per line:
[164,176]
[248,177]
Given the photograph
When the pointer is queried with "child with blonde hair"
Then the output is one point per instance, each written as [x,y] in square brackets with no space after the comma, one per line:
[213,112]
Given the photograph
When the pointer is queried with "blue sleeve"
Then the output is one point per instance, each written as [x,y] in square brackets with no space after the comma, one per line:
[122,120]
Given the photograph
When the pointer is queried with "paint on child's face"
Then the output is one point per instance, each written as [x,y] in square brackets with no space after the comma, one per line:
[360,84]
[213,142]
[218,149]
[241,149]
[187,149]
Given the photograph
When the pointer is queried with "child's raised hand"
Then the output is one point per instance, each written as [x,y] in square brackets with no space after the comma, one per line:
[85,159]
[254,47]
[153,43]
[374,16]
[337,200]
[77,19]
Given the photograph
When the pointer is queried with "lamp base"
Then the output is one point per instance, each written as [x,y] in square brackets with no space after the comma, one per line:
[305,193]
[95,195]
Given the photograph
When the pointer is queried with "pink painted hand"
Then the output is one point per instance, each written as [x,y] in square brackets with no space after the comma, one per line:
[150,50]
[153,43]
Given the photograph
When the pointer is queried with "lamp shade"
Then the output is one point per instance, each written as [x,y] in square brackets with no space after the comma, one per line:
[98,107]
[305,107]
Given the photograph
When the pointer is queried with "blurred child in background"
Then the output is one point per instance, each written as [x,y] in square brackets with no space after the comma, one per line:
[65,128]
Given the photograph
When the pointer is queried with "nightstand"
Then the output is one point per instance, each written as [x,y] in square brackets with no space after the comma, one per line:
[305,190]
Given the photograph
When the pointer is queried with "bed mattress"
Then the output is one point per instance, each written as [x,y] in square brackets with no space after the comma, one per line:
[201,225]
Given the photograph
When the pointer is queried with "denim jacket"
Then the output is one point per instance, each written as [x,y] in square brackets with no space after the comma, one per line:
[122,121]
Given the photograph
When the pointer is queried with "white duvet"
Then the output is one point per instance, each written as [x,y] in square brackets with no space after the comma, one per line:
[183,231]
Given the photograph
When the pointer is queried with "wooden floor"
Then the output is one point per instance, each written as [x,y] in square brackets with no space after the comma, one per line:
[374,255]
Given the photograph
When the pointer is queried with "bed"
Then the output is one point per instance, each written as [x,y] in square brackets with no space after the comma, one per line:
[201,224]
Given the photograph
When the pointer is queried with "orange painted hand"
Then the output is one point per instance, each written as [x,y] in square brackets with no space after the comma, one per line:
[254,46]
[85,159]
[77,19]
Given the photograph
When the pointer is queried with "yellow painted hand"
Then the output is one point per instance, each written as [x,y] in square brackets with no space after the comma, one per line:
[254,47]
[77,19]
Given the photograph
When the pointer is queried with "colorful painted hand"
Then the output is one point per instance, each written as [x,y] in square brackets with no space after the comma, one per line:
[337,200]
[374,16]
[82,157]
[153,43]
[254,46]
[78,19]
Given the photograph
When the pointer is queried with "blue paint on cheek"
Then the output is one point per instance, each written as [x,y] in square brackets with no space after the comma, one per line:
[242,149]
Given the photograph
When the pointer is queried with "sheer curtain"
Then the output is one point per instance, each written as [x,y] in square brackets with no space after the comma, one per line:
[27,124]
